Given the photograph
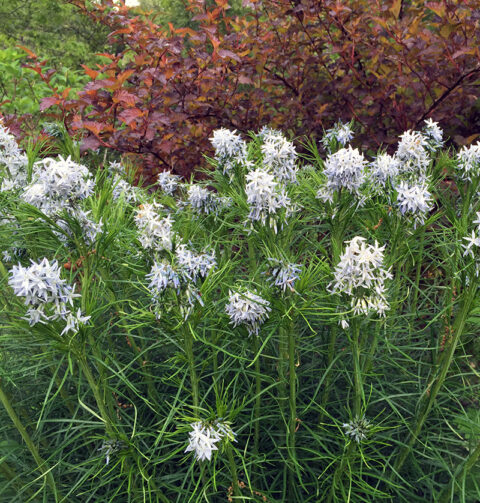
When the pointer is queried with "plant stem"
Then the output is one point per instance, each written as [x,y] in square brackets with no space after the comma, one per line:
[258,385]
[293,406]
[336,243]
[98,398]
[283,364]
[109,427]
[41,464]
[328,378]
[65,396]
[188,340]
[357,371]
[233,473]
[8,472]
[106,409]
[340,470]
[417,280]
[283,370]
[215,374]
[368,360]
[436,383]
[469,463]
[258,390]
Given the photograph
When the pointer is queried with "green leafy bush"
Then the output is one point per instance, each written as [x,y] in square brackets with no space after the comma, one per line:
[53,29]
[21,91]
[300,333]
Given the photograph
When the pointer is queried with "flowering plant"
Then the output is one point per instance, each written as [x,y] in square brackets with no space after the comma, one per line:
[283,331]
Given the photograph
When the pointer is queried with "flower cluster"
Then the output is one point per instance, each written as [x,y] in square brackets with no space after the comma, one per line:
[117,168]
[279,156]
[284,274]
[194,265]
[344,169]
[266,196]
[155,231]
[53,129]
[361,275]
[357,428]
[265,187]
[383,169]
[46,294]
[183,275]
[58,184]
[13,160]
[469,162]
[339,134]
[230,149]
[433,134]
[109,447]
[162,276]
[8,255]
[412,153]
[168,182]
[414,201]
[249,309]
[204,201]
[57,189]
[406,170]
[121,188]
[204,438]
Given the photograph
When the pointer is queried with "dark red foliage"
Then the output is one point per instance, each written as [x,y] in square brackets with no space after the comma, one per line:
[298,65]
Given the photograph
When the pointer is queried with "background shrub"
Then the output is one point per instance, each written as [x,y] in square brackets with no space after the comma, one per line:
[53,29]
[299,65]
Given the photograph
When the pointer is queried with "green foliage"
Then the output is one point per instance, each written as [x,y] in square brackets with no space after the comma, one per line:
[20,89]
[103,412]
[168,12]
[177,13]
[53,29]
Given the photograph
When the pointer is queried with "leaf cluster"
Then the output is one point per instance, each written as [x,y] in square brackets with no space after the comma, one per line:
[300,65]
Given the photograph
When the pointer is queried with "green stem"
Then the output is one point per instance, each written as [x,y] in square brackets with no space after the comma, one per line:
[336,243]
[258,390]
[328,378]
[359,397]
[451,293]
[368,361]
[145,365]
[41,464]
[8,472]
[258,385]
[65,396]
[283,399]
[99,390]
[282,370]
[98,397]
[446,494]
[188,341]
[435,384]
[233,472]
[417,280]
[293,406]
[102,407]
[340,470]
[215,374]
